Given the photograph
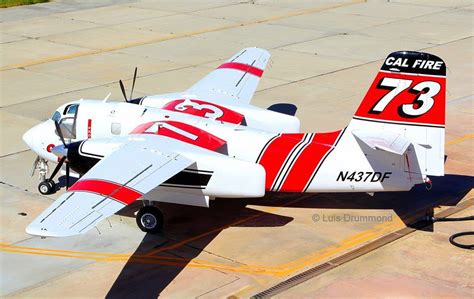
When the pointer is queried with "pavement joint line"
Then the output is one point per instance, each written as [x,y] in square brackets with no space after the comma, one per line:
[351,67]
[93,86]
[391,22]
[214,254]
[12,154]
[359,33]
[176,36]
[219,287]
[26,190]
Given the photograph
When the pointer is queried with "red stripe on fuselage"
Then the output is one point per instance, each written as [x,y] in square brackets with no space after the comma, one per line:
[242,67]
[106,188]
[275,155]
[308,161]
[204,139]
[89,128]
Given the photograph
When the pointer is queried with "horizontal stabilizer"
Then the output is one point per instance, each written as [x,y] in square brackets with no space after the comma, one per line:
[382,140]
[284,108]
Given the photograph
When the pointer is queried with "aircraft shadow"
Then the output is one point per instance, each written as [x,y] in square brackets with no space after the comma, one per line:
[146,276]
[411,206]
[171,251]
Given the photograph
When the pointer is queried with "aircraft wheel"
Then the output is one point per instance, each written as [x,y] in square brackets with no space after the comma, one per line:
[52,184]
[150,219]
[45,187]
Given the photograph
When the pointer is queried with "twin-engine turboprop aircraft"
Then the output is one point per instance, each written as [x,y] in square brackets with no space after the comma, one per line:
[209,142]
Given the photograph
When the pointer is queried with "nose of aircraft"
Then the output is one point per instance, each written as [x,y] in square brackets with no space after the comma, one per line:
[29,137]
[40,138]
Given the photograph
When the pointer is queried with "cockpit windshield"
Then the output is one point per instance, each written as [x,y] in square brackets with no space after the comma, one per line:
[67,121]
[56,116]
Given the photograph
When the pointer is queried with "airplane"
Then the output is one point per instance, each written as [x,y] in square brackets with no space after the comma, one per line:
[209,142]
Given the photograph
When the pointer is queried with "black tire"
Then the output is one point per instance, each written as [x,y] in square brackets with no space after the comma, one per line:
[52,184]
[150,219]
[44,188]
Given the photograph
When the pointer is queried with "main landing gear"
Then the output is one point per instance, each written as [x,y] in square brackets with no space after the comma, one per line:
[150,219]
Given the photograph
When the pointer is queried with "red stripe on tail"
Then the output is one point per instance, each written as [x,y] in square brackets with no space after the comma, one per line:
[308,161]
[276,154]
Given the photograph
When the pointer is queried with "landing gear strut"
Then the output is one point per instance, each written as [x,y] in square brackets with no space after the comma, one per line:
[150,219]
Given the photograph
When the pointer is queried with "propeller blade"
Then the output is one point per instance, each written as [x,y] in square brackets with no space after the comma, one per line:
[123,90]
[60,133]
[133,84]
[55,171]
[67,176]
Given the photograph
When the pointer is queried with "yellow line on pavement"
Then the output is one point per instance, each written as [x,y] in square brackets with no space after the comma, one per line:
[470,136]
[176,36]
[217,230]
[345,245]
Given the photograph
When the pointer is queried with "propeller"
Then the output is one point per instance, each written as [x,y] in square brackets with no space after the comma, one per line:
[122,87]
[61,151]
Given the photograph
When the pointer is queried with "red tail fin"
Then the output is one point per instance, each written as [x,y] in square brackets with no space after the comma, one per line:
[410,88]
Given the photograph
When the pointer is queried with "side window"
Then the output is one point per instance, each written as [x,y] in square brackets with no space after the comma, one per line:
[116,128]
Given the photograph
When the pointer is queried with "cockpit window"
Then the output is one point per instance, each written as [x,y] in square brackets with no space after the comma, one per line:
[67,121]
[70,109]
[56,116]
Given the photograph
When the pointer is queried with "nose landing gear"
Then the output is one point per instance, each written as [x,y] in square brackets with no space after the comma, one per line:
[47,186]
[150,219]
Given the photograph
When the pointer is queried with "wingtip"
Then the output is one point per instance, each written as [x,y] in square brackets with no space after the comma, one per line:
[35,230]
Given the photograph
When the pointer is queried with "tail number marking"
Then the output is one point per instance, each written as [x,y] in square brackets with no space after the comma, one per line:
[423,102]
[363,176]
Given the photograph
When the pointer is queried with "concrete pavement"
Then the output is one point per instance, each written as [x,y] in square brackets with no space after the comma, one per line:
[324,57]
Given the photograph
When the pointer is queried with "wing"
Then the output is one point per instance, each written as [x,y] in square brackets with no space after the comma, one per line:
[116,181]
[236,79]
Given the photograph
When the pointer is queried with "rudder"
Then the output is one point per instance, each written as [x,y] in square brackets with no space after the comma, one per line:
[408,97]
